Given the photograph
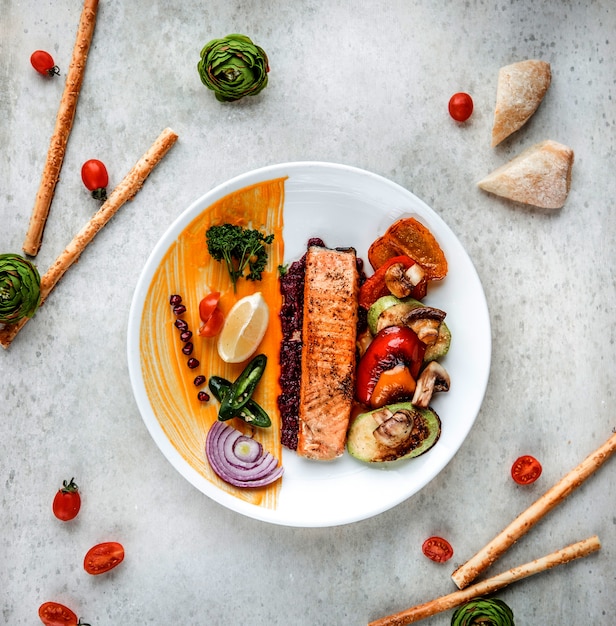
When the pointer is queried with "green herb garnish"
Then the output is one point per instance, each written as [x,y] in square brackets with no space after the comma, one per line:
[240,249]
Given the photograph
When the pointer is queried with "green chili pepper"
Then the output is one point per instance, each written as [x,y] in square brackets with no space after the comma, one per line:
[219,386]
[252,412]
[240,392]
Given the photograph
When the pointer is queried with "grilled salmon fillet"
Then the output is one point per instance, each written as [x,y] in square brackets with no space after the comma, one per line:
[328,352]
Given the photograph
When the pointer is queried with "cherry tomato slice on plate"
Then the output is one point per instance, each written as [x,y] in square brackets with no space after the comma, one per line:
[95,177]
[43,63]
[67,501]
[214,325]
[103,557]
[56,614]
[437,549]
[207,305]
[211,316]
[460,106]
[525,470]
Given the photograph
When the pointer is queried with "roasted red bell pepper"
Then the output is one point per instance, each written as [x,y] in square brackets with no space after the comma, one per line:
[374,287]
[394,345]
[394,385]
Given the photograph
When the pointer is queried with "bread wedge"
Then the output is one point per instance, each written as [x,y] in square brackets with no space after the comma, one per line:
[519,92]
[540,176]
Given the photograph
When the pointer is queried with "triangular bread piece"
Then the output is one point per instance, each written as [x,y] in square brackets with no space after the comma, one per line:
[520,89]
[541,176]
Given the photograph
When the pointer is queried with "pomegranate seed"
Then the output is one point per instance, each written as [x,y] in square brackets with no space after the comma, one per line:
[181,325]
[175,299]
[199,380]
[192,363]
[187,348]
[179,309]
[203,397]
[186,335]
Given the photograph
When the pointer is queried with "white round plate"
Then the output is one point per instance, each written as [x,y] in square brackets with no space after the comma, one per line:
[346,206]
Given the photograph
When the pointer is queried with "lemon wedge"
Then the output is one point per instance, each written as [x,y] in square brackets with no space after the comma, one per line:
[244,328]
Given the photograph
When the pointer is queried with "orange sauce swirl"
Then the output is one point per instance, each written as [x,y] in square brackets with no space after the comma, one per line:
[188,270]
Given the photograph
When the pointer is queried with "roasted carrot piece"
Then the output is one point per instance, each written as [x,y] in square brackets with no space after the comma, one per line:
[410,237]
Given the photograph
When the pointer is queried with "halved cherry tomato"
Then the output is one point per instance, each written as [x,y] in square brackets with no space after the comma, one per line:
[208,304]
[103,557]
[95,177]
[67,501]
[393,345]
[374,287]
[43,63]
[211,316]
[460,106]
[526,470]
[56,614]
[437,549]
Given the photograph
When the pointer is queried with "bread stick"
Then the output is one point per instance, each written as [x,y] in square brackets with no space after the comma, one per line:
[62,130]
[467,572]
[129,186]
[491,585]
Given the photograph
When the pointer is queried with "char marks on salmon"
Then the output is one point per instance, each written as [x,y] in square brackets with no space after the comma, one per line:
[329,333]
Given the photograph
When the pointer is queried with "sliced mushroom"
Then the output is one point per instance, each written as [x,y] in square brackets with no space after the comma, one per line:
[382,416]
[423,320]
[400,281]
[433,378]
[395,430]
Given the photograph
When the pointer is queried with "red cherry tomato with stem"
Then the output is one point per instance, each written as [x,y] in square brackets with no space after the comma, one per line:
[437,549]
[525,470]
[67,501]
[103,557]
[95,178]
[460,106]
[43,63]
[211,316]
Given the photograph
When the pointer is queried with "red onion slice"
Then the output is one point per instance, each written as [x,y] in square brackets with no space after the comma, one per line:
[238,459]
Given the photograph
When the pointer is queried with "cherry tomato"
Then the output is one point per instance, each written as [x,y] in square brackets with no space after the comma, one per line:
[43,63]
[214,325]
[211,316]
[67,501]
[526,470]
[460,106]
[103,557]
[56,614]
[437,549]
[207,305]
[95,178]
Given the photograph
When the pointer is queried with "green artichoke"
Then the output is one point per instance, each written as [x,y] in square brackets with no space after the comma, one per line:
[483,612]
[20,288]
[233,67]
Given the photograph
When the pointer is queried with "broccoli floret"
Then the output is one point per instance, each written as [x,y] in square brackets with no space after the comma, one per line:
[239,248]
